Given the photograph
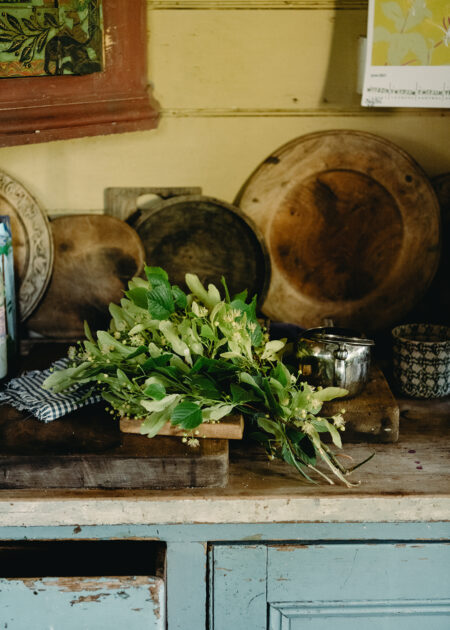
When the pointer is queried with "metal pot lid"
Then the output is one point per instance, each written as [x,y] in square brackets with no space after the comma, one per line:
[337,335]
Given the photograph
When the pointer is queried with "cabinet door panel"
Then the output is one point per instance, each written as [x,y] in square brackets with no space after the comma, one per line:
[382,586]
[414,615]
[131,603]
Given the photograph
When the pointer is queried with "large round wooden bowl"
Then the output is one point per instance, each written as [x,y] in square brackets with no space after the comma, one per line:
[351,223]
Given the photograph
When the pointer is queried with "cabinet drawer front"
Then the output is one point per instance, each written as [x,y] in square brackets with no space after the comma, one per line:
[87,603]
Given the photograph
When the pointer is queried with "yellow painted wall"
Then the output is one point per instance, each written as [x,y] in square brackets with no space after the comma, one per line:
[235,80]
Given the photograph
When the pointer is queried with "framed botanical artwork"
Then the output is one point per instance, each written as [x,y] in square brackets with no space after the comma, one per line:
[72,68]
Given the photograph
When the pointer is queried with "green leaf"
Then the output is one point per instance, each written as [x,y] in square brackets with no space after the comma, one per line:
[156,276]
[179,297]
[271,401]
[156,362]
[187,415]
[216,412]
[26,54]
[16,44]
[155,422]
[206,332]
[159,405]
[210,297]
[329,393]
[213,366]
[137,352]
[250,380]
[205,386]
[323,426]
[270,426]
[225,286]
[289,458]
[155,391]
[241,297]
[14,22]
[138,296]
[50,20]
[123,378]
[240,395]
[87,332]
[281,374]
[160,302]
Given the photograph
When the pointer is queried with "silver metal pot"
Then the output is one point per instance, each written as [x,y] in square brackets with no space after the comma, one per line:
[336,357]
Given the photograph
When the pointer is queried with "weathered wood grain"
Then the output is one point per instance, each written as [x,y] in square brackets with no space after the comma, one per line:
[121,202]
[87,450]
[352,226]
[95,256]
[205,236]
[372,416]
[230,428]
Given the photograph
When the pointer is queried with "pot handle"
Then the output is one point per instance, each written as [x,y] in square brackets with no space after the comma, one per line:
[340,356]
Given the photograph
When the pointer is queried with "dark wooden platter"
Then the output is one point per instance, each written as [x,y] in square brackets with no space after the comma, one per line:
[95,256]
[351,223]
[205,236]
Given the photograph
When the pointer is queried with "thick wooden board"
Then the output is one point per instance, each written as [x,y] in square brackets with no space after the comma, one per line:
[373,416]
[87,450]
[95,256]
[352,227]
[230,428]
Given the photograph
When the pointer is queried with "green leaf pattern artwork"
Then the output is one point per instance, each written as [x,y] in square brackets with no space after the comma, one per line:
[50,38]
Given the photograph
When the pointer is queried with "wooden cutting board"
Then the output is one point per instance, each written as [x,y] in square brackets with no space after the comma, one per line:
[352,227]
[372,416]
[87,450]
[95,256]
[230,428]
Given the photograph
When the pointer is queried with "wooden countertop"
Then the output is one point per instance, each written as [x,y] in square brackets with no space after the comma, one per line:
[405,482]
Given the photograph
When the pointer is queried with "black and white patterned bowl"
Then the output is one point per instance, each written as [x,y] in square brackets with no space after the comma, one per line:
[421,359]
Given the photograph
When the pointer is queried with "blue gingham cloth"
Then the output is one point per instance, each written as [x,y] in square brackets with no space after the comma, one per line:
[26,393]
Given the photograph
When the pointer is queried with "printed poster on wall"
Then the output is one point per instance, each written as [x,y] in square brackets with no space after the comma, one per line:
[408,54]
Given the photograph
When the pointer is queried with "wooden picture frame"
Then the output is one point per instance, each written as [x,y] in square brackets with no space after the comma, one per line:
[41,109]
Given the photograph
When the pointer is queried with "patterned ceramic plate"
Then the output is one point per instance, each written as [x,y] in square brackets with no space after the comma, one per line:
[32,242]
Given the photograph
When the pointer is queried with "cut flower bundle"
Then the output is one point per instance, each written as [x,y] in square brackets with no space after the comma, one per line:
[197,357]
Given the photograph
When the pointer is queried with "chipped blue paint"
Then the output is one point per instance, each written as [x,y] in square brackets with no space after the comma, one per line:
[130,603]
[235,532]
[186,585]
[239,590]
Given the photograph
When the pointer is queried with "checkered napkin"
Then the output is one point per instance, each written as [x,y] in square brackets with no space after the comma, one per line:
[26,393]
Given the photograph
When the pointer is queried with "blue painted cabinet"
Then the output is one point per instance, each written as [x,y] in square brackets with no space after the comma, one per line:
[353,586]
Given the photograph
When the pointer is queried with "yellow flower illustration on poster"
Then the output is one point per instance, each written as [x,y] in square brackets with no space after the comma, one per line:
[411,33]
